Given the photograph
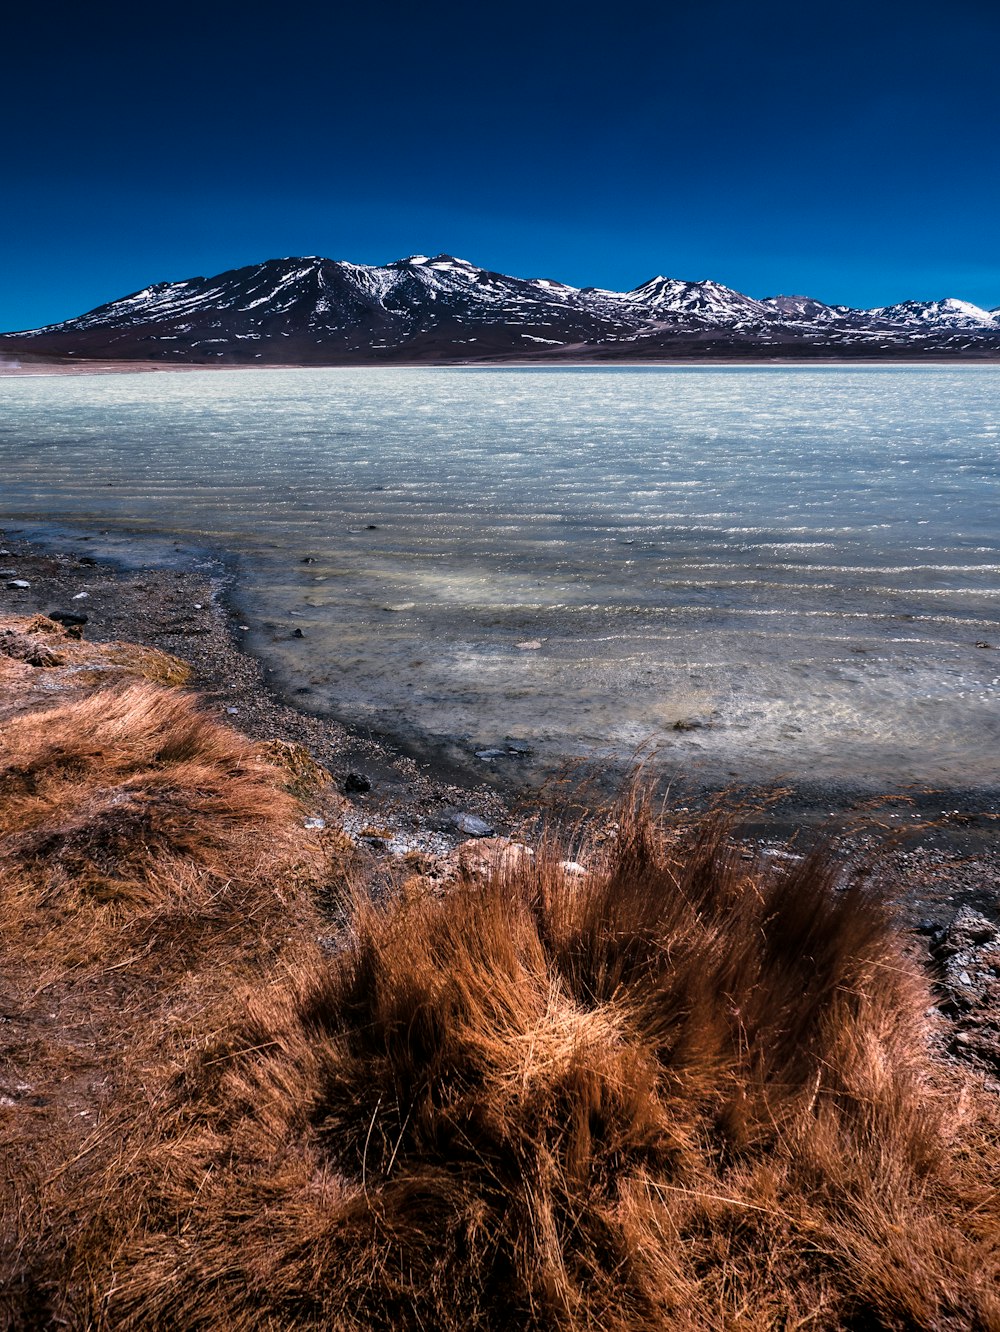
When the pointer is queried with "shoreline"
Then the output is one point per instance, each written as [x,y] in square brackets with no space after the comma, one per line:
[42,367]
[186,599]
[180,603]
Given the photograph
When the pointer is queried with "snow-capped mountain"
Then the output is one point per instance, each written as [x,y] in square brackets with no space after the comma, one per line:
[948,313]
[716,305]
[321,311]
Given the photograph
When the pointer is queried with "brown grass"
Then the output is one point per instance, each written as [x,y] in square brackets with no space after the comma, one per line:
[132,802]
[685,1091]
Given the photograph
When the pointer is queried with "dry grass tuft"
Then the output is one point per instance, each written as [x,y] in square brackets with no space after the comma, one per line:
[680,1092]
[39,657]
[300,773]
[131,806]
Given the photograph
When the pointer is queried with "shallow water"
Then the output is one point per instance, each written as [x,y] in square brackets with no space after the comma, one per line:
[793,564]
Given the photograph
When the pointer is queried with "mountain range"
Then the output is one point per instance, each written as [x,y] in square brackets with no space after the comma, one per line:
[315,311]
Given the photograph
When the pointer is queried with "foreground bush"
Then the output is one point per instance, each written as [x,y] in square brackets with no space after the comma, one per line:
[681,1093]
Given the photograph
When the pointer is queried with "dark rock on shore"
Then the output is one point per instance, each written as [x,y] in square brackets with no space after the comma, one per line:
[68,619]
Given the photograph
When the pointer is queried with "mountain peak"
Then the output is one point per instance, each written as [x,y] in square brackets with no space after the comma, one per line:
[949,311]
[439,261]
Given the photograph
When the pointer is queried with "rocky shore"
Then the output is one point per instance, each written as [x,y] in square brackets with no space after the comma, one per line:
[181,608]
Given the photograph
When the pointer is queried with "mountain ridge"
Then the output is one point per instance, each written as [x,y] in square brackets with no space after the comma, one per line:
[314,310]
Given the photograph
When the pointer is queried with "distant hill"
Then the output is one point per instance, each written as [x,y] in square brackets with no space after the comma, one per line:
[322,311]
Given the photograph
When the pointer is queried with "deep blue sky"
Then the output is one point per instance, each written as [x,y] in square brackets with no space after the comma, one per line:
[849,151]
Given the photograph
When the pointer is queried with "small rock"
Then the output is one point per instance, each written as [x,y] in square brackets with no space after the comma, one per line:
[244,627]
[371,527]
[472,825]
[400,606]
[964,978]
[983,644]
[356,783]
[520,747]
[530,645]
[486,856]
[488,755]
[79,596]
[197,605]
[573,868]
[233,712]
[314,823]
[297,633]
[5,553]
[67,618]
[308,559]
[19,582]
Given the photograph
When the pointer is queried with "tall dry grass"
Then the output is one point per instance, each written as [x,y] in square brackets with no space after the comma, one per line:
[682,1093]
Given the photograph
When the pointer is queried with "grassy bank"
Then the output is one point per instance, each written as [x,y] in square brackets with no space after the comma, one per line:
[255,1079]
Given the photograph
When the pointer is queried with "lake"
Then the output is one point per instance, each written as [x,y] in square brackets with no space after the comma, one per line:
[759,572]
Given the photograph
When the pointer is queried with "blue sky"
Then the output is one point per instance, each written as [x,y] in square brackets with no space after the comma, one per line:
[847,151]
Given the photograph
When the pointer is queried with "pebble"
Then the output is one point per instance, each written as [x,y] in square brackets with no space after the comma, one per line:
[233,712]
[400,606]
[79,596]
[5,553]
[19,582]
[530,645]
[297,633]
[488,755]
[472,825]
[315,823]
[572,867]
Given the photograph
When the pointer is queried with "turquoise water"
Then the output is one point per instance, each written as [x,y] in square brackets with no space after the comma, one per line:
[794,563]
